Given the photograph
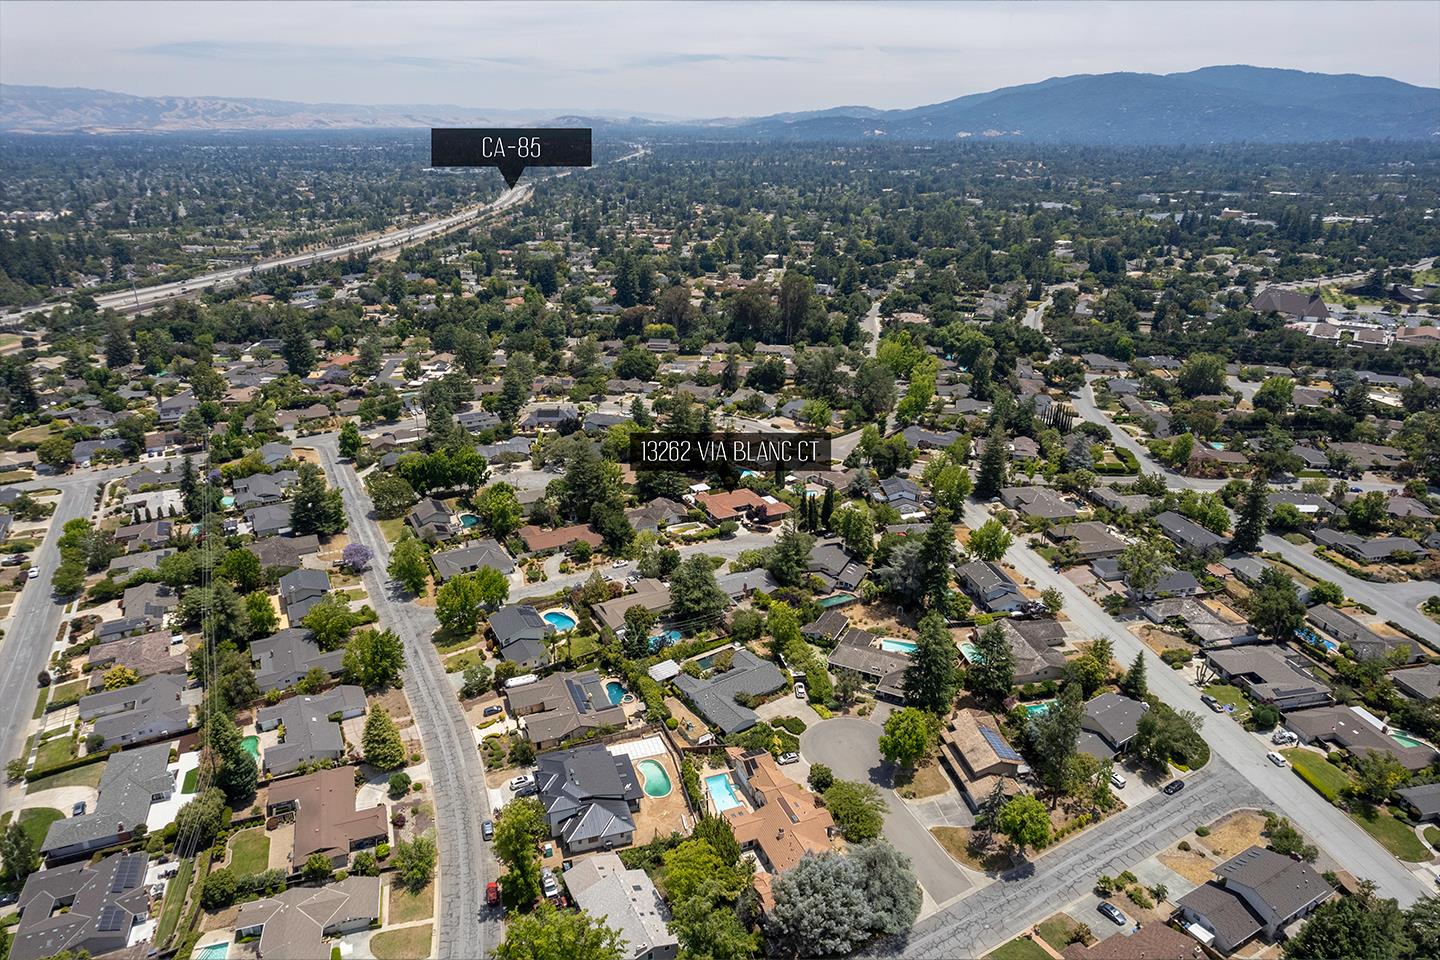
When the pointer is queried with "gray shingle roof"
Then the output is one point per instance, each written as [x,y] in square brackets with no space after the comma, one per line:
[715,697]
[131,779]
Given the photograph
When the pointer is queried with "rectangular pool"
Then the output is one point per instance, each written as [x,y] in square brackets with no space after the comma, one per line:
[722,792]
[897,645]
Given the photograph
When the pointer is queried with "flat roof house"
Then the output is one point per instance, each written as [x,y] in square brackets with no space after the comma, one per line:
[82,907]
[132,781]
[714,698]
[590,796]
[326,820]
[627,899]
[562,705]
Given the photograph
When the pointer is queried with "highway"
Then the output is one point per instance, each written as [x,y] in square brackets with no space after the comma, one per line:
[465,929]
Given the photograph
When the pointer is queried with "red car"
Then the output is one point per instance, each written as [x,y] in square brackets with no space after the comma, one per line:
[492,893]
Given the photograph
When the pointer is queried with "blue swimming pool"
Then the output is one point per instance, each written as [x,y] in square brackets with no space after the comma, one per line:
[468,520]
[661,640]
[614,692]
[896,645]
[559,619]
[722,792]
[837,600]
[1037,709]
[215,951]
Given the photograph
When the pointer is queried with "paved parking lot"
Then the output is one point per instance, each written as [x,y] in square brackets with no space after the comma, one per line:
[850,747]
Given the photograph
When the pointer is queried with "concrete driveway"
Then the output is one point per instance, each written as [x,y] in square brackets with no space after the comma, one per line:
[850,747]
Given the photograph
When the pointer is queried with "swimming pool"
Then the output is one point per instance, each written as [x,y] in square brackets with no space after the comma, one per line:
[559,619]
[1406,741]
[970,652]
[722,792]
[252,746]
[896,645]
[664,639]
[615,692]
[1037,709]
[468,520]
[215,951]
[838,600]
[657,781]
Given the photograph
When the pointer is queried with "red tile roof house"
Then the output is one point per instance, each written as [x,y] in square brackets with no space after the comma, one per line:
[539,540]
[742,503]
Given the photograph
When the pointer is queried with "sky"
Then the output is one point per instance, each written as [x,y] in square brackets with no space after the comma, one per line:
[682,59]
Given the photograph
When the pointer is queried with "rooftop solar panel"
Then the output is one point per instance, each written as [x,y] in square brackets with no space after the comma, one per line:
[997,743]
[111,919]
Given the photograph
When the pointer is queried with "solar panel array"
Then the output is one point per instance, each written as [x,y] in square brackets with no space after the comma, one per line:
[128,875]
[112,919]
[997,743]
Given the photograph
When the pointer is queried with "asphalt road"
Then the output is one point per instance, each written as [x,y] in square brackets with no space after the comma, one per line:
[1230,742]
[850,747]
[976,924]
[465,929]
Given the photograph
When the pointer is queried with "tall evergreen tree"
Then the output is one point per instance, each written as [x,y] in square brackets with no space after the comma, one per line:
[1253,514]
[937,556]
[1134,684]
[235,771]
[991,475]
[931,676]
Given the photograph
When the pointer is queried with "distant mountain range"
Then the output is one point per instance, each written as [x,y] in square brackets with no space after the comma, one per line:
[1211,105]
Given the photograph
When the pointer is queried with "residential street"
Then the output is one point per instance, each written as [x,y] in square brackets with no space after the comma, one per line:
[1283,789]
[995,913]
[465,928]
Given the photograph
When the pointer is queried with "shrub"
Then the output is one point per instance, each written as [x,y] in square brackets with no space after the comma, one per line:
[1183,846]
[399,785]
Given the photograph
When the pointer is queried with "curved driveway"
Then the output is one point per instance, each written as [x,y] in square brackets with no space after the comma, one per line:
[850,746]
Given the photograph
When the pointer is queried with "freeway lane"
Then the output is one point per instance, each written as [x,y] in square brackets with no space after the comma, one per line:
[1325,824]
[464,926]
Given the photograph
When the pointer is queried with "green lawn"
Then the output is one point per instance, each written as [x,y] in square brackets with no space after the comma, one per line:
[36,823]
[462,661]
[392,528]
[1231,697]
[406,906]
[174,903]
[1393,835]
[407,943]
[40,703]
[1432,835]
[191,781]
[1021,948]
[54,752]
[1056,930]
[83,776]
[1327,779]
[249,852]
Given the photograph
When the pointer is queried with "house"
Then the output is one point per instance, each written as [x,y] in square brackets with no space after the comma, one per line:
[538,540]
[1111,721]
[1356,732]
[171,409]
[784,821]
[112,630]
[715,698]
[294,924]
[260,489]
[1208,627]
[901,493]
[1422,802]
[1041,503]
[1268,676]
[83,908]
[1310,505]
[1033,648]
[151,533]
[826,628]
[1419,683]
[740,504]
[603,887]
[563,705]
[310,727]
[656,515]
[122,567]
[1187,534]
[1086,541]
[990,587]
[1365,644]
[979,758]
[652,594]
[326,820]
[522,635]
[861,651]
[1172,583]
[1258,892]
[138,713]
[471,557]
[133,780]
[1290,303]
[1365,550]
[1153,941]
[270,520]
[549,417]
[743,583]
[300,590]
[924,439]
[282,659]
[1367,456]
[284,552]
[147,655]
[833,565]
[431,520]
[152,600]
[590,797]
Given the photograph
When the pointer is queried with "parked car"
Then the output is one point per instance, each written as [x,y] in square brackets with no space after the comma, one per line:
[492,893]
[493,709]
[1114,913]
[1174,787]
[1212,703]
[78,810]
[1117,781]
[791,757]
[487,829]
[548,883]
[529,790]
[800,693]
[620,564]
[1276,759]
[1283,737]
[13,560]
[524,780]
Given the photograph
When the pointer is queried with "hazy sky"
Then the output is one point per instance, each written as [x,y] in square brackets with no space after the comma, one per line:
[694,59]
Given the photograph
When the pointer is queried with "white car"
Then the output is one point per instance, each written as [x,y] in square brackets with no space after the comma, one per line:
[788,758]
[523,780]
[800,693]
[620,563]
[32,573]
[1117,781]
[1283,737]
[548,883]
[1276,759]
